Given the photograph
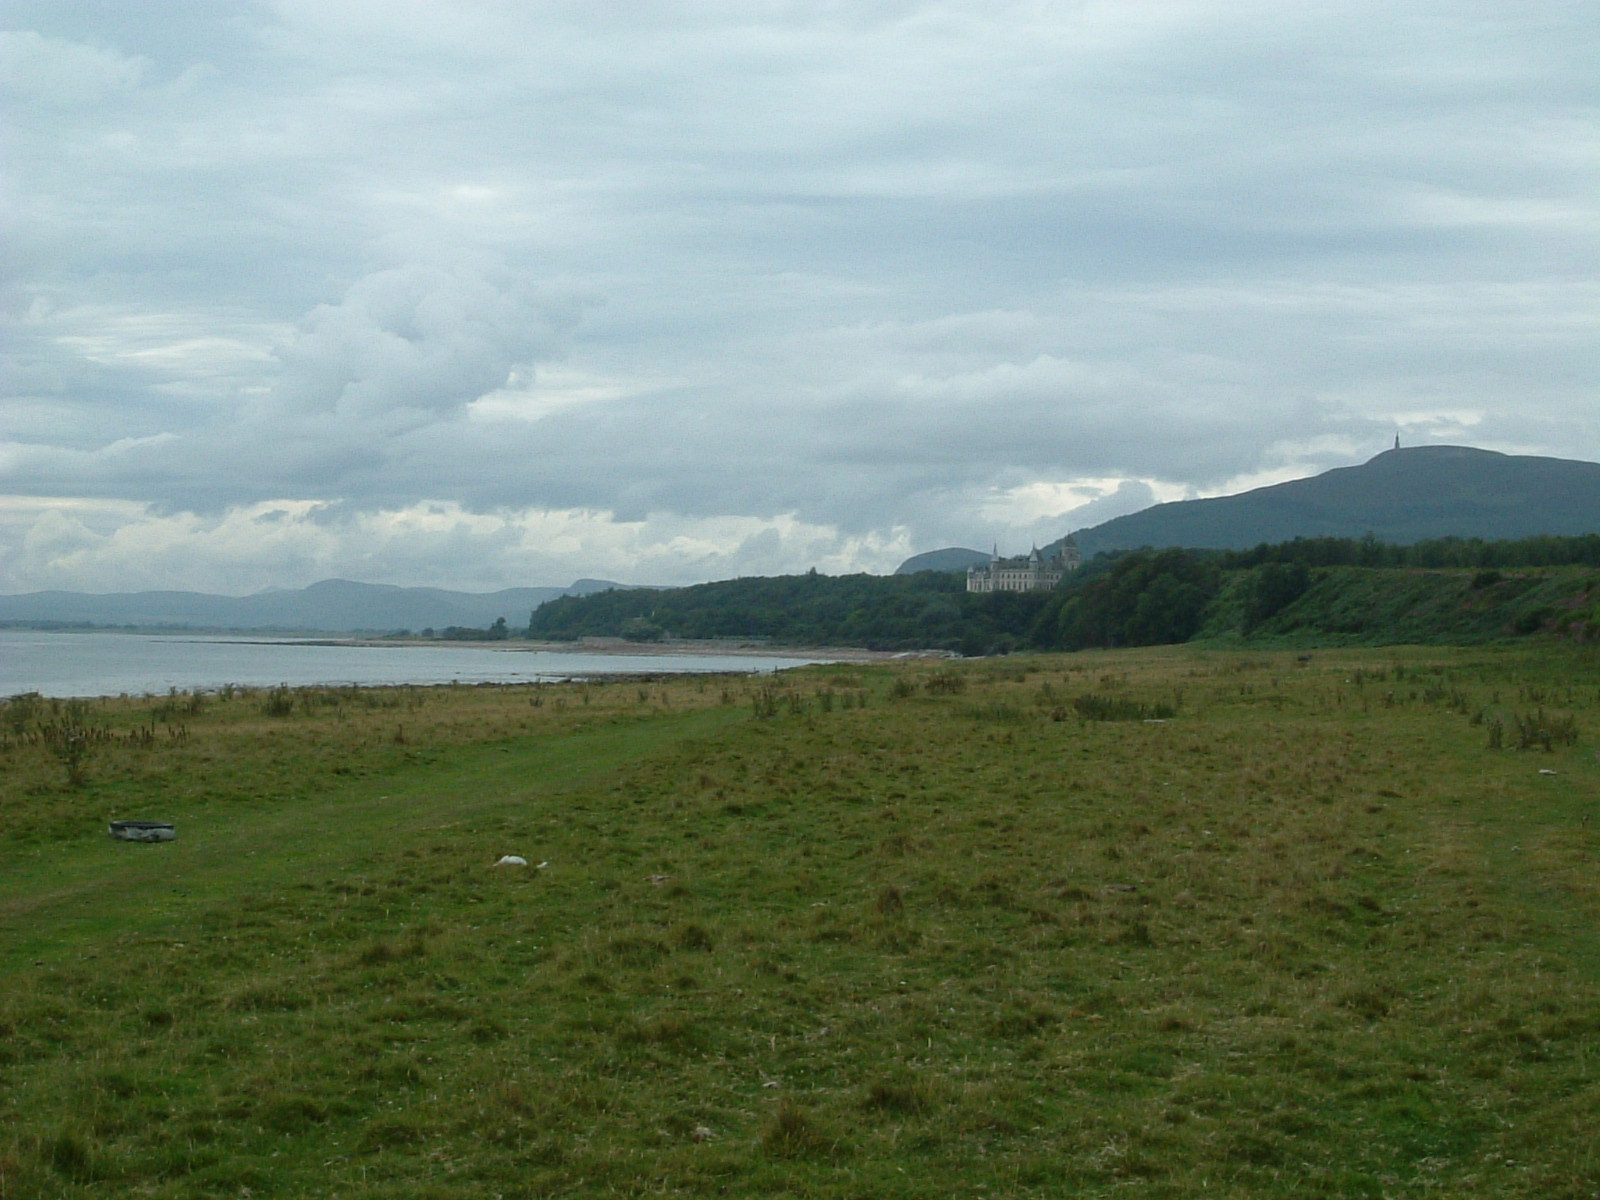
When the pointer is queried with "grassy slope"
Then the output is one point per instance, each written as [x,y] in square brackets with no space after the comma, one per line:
[1388,606]
[1311,937]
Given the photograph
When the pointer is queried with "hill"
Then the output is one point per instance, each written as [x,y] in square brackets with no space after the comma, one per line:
[955,558]
[331,606]
[1401,496]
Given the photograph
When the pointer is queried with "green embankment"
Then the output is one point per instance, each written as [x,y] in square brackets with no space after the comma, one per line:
[1399,606]
[1318,928]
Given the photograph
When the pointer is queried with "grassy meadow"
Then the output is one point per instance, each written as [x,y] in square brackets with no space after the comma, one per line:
[1162,923]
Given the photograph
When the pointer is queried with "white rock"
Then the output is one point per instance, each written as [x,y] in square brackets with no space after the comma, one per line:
[143,831]
[512,860]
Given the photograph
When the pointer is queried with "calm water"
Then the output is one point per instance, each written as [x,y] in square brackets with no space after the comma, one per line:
[109,664]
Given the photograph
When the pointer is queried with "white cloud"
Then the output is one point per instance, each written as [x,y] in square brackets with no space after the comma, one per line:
[721,288]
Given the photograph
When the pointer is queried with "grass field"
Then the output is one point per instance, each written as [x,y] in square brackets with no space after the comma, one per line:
[1157,924]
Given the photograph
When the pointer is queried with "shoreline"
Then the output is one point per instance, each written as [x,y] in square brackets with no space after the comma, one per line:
[53,666]
[732,648]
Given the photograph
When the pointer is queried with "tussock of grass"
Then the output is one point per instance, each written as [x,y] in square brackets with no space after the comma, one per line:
[1316,938]
[793,1133]
[1119,708]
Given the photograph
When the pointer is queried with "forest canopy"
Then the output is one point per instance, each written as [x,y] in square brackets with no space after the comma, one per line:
[1305,588]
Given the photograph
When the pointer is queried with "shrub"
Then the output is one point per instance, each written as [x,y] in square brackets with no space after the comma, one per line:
[1114,708]
[21,709]
[1532,621]
[279,702]
[1276,585]
[1545,730]
[71,738]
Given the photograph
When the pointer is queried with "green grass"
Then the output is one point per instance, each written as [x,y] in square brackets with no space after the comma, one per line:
[911,931]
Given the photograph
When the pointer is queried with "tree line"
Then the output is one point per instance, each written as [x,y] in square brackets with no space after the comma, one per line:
[1123,598]
[931,609]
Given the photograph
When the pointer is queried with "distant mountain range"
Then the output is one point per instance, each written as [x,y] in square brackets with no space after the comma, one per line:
[1401,496]
[332,606]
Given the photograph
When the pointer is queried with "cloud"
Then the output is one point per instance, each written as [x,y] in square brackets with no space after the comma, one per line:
[730,288]
[57,73]
[416,339]
[78,545]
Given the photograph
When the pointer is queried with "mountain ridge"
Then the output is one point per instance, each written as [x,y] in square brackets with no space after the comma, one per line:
[327,606]
[1401,496]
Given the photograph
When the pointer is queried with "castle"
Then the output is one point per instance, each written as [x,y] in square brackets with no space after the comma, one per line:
[1025,573]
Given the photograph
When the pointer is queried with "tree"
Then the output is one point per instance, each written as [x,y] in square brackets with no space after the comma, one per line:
[1276,585]
[1146,599]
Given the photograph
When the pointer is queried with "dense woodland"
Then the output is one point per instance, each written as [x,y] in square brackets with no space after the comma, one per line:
[1308,591]
[895,612]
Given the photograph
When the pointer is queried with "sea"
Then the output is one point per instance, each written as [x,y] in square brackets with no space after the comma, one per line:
[72,664]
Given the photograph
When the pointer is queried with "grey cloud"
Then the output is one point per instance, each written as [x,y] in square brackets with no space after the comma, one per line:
[869,265]
[1129,497]
[419,338]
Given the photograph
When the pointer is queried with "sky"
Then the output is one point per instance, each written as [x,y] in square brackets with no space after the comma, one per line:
[498,293]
